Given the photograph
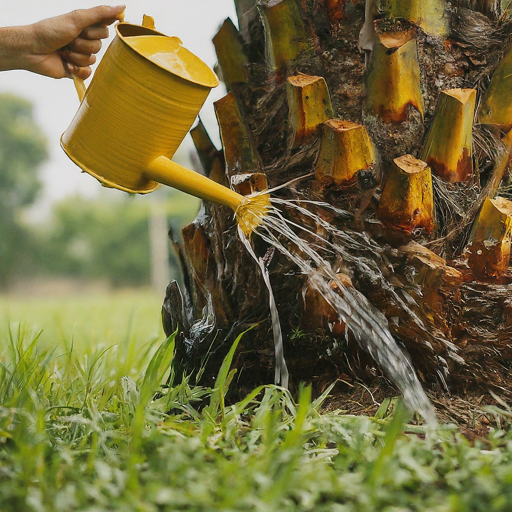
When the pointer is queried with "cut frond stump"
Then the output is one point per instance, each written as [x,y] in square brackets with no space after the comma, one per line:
[429,15]
[309,105]
[407,201]
[285,33]
[393,78]
[205,148]
[247,14]
[449,146]
[440,283]
[489,243]
[218,172]
[196,246]
[501,166]
[345,150]
[247,184]
[317,313]
[230,54]
[239,150]
[212,160]
[496,107]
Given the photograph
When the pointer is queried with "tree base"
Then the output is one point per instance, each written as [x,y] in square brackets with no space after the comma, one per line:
[455,327]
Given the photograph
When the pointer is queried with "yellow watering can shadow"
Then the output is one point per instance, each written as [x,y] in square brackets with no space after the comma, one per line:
[142,101]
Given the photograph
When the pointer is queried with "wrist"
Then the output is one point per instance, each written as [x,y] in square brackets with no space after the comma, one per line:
[15,47]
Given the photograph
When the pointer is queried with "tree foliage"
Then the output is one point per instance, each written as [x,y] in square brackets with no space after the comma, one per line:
[105,238]
[22,151]
[98,239]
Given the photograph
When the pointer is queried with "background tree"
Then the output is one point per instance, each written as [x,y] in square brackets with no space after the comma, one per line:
[22,151]
[83,238]
[104,238]
[95,239]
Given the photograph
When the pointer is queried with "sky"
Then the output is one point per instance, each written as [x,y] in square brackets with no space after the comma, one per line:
[195,22]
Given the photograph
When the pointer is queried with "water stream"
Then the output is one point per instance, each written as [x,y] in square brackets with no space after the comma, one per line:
[281,371]
[368,325]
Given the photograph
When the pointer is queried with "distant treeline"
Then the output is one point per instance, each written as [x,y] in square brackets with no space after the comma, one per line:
[106,238]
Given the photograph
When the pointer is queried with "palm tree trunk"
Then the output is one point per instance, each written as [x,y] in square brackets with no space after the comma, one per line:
[311,104]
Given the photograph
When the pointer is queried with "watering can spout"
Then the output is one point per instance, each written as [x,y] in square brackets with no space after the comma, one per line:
[165,171]
[249,210]
[142,101]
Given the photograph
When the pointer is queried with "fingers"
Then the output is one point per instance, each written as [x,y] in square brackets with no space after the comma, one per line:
[78,59]
[85,46]
[94,32]
[92,24]
[77,63]
[81,72]
[78,55]
[101,15]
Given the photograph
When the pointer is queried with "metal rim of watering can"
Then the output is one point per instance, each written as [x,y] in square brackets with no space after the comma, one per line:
[141,31]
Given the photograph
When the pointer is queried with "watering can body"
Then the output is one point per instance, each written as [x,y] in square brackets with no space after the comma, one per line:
[135,114]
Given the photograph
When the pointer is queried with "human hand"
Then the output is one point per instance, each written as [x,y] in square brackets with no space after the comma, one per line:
[61,46]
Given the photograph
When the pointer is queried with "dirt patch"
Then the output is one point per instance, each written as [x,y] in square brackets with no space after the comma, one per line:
[463,409]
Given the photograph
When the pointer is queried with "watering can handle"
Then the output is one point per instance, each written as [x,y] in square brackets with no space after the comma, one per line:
[147,21]
[80,87]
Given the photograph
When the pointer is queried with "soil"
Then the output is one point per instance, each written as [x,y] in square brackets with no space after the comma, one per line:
[462,408]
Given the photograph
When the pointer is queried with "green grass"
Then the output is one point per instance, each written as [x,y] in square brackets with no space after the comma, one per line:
[82,428]
[88,323]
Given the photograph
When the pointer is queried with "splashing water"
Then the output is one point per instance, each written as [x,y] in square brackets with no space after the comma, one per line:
[281,372]
[368,325]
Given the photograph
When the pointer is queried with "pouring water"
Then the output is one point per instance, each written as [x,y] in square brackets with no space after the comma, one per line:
[368,325]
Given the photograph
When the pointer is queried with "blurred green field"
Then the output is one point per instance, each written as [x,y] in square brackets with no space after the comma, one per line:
[86,323]
[89,422]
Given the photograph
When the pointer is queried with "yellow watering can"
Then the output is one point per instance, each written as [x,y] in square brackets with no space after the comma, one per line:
[142,101]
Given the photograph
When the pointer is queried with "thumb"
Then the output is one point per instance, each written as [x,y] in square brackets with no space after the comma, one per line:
[103,14]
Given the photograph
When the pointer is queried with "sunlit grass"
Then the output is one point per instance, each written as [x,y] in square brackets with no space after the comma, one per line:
[88,424]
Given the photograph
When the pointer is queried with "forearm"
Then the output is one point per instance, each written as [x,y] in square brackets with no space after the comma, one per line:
[15,47]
